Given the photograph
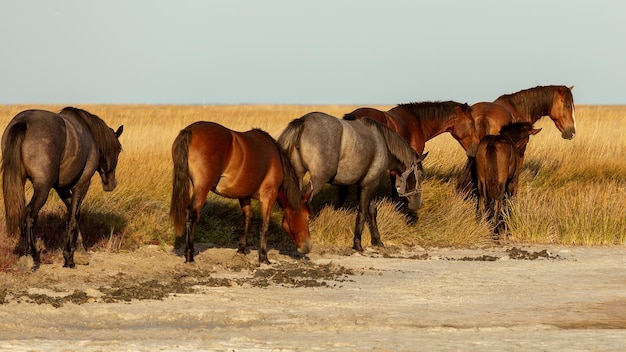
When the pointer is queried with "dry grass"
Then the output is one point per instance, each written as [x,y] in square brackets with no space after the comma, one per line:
[570,191]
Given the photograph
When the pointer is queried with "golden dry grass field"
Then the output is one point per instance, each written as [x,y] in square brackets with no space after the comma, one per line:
[571,191]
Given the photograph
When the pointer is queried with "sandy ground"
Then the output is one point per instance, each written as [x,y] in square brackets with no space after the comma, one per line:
[500,298]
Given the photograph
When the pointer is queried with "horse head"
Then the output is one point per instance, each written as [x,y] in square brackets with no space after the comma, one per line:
[409,183]
[108,163]
[562,111]
[296,221]
[464,129]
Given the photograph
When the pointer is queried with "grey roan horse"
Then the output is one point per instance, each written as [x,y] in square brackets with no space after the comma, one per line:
[358,152]
[60,151]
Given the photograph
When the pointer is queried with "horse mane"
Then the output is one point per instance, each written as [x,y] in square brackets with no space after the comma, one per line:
[102,134]
[438,110]
[291,184]
[536,102]
[396,145]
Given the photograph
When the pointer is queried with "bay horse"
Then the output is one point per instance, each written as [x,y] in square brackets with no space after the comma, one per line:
[54,151]
[419,122]
[497,169]
[528,105]
[357,152]
[239,165]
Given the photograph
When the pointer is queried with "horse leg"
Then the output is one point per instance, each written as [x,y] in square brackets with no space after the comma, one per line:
[373,225]
[66,196]
[190,223]
[266,209]
[78,194]
[40,195]
[365,214]
[342,195]
[358,228]
[246,209]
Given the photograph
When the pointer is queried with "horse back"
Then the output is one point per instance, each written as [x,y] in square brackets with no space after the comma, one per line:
[43,146]
[360,113]
[489,118]
[232,164]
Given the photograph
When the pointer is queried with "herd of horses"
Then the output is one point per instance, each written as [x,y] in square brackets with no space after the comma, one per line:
[63,151]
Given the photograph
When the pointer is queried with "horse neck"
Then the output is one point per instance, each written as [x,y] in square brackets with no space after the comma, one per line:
[433,118]
[399,150]
[528,105]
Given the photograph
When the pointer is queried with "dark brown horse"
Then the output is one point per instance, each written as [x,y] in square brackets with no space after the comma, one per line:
[60,151]
[242,165]
[527,105]
[419,122]
[497,169]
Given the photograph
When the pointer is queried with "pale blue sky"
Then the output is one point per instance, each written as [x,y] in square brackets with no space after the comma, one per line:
[313,52]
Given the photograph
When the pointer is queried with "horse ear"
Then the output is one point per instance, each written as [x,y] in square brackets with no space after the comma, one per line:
[571,87]
[423,156]
[535,131]
[119,131]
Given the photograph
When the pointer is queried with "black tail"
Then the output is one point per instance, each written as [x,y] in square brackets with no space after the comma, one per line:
[12,179]
[181,184]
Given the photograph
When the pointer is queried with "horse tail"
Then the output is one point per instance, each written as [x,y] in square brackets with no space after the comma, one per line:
[181,183]
[291,184]
[350,116]
[12,179]
[289,140]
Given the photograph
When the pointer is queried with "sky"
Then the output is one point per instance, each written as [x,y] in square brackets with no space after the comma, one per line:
[308,52]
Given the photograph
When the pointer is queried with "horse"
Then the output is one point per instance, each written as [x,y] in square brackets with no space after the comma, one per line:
[54,151]
[497,169]
[358,152]
[238,165]
[527,105]
[419,122]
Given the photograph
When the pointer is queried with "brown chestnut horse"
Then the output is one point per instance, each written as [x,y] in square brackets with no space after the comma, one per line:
[527,105]
[419,122]
[242,165]
[498,168]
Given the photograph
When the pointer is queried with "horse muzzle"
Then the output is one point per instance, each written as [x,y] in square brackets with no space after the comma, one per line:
[568,133]
[305,247]
[109,185]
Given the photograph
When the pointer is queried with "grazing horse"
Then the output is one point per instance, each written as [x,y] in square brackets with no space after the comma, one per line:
[527,105]
[497,169]
[419,122]
[346,153]
[60,151]
[241,165]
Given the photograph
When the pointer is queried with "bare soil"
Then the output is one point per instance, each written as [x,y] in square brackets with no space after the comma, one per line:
[390,299]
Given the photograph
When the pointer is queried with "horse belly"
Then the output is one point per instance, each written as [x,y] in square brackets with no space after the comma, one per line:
[244,177]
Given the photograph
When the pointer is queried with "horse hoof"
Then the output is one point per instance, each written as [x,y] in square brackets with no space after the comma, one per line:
[358,248]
